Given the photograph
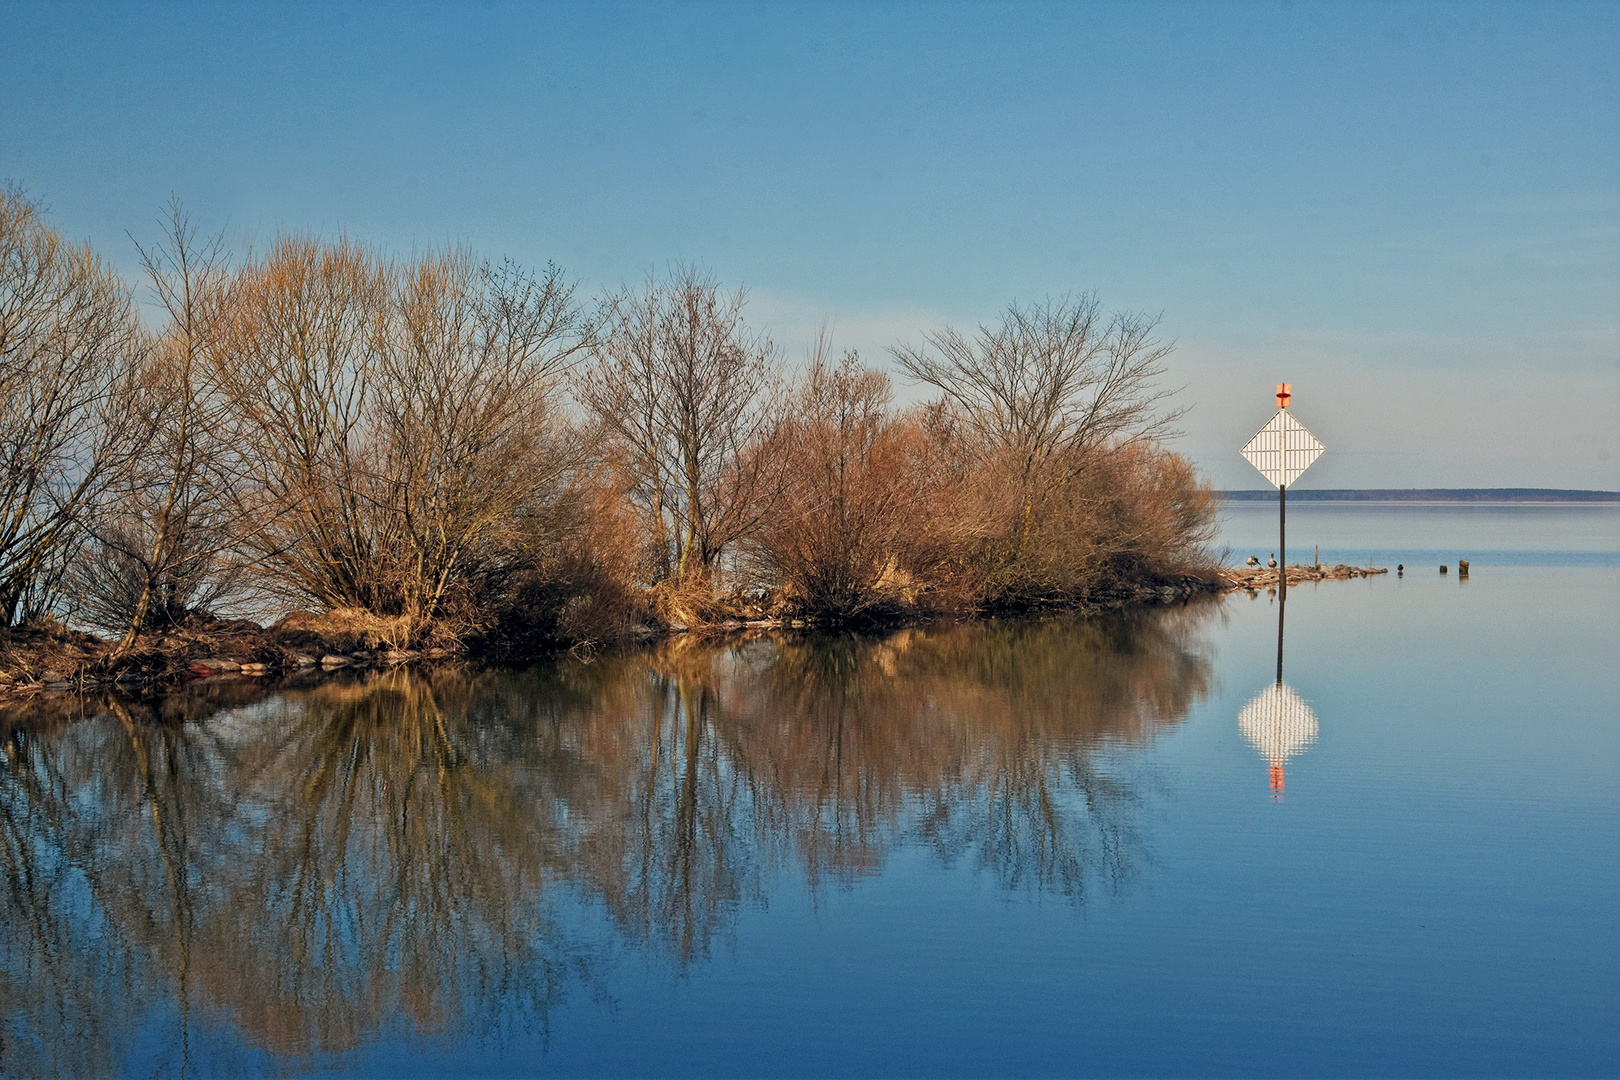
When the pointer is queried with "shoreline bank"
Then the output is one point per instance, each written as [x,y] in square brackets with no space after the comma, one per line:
[52,660]
[55,662]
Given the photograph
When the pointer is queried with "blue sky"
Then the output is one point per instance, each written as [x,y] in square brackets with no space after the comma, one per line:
[1411,212]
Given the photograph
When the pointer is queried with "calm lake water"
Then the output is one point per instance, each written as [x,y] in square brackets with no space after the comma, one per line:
[1106,847]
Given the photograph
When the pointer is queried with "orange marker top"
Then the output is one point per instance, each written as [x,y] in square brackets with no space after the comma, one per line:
[1284,392]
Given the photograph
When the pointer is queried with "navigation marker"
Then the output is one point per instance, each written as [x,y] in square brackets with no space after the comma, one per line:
[1283,448]
[1281,451]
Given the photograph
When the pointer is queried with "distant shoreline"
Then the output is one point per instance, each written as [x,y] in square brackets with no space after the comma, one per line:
[1426,495]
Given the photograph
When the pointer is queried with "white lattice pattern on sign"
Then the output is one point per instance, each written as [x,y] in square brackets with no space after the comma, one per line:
[1282,449]
[1278,723]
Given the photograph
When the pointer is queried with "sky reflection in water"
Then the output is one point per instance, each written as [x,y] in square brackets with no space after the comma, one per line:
[997,848]
[310,870]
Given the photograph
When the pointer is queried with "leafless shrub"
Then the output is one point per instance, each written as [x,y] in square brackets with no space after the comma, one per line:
[1121,518]
[574,577]
[845,519]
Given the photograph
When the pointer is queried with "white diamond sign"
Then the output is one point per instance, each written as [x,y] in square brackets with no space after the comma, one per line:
[1282,449]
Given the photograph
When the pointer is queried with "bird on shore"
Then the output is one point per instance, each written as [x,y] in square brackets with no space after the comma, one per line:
[1253,561]
[1272,562]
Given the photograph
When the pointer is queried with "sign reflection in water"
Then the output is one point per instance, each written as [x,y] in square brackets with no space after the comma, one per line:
[1277,722]
[274,878]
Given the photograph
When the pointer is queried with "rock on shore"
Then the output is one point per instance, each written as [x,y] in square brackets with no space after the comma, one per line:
[1255,578]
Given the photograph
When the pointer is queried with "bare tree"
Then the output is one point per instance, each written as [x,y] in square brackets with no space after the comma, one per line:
[474,444]
[390,421]
[1050,377]
[1042,402]
[301,332]
[68,339]
[158,540]
[683,391]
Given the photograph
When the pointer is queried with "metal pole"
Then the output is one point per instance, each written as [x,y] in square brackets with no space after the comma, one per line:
[1282,569]
[1282,607]
[1282,533]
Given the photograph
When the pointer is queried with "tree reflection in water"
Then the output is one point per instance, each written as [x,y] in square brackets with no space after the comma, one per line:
[298,874]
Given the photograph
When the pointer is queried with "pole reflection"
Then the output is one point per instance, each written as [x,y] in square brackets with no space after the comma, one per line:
[1277,721]
[297,875]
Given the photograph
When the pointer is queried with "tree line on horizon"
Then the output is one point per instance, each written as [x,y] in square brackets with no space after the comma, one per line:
[467,451]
